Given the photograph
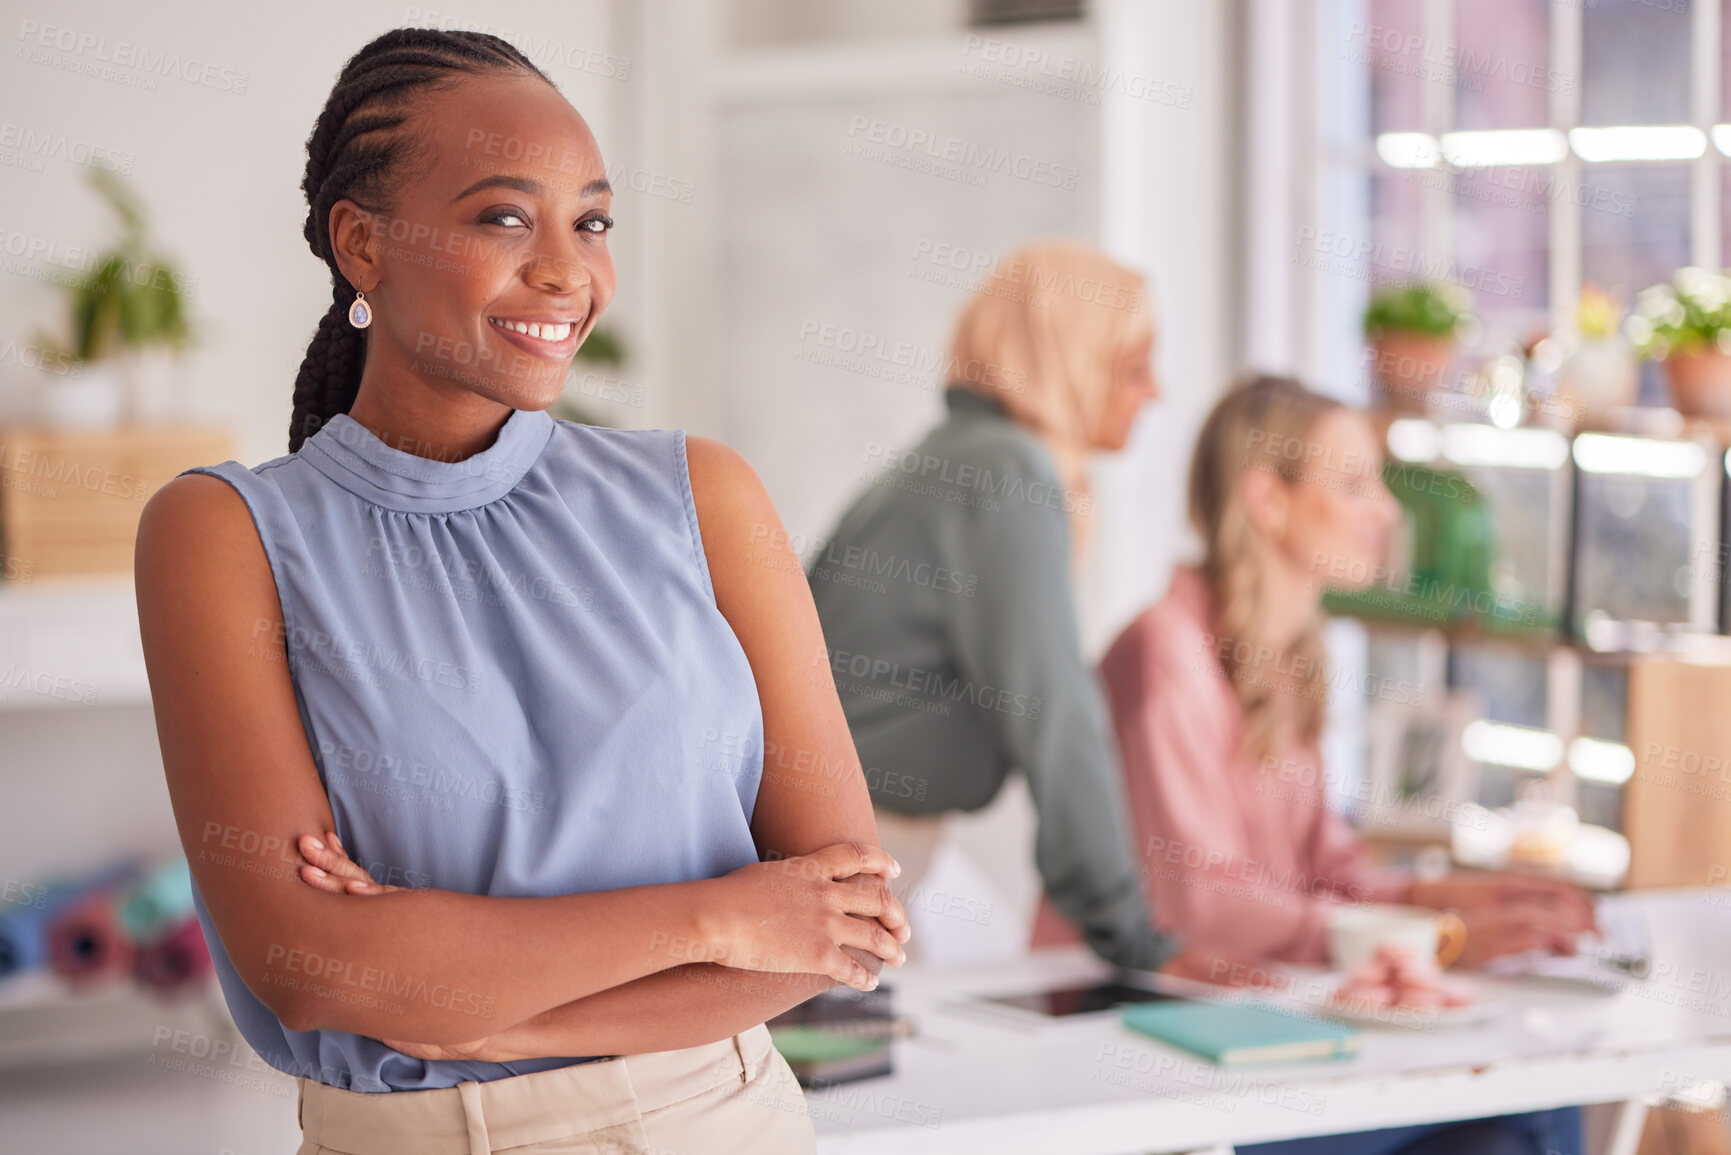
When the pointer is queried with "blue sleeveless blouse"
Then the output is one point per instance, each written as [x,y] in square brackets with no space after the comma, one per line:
[514,681]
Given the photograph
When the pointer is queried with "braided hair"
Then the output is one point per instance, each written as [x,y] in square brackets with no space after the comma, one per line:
[1256,425]
[356,152]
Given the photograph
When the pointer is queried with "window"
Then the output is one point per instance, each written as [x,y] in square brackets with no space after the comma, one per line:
[1523,148]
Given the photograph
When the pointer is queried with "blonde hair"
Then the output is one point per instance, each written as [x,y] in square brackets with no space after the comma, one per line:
[1042,336]
[1253,427]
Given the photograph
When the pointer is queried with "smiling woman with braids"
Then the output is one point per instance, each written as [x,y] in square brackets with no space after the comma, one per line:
[462,708]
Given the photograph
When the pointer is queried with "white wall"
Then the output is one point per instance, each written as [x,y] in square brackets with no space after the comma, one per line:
[782,21]
[219,167]
[1168,208]
[826,254]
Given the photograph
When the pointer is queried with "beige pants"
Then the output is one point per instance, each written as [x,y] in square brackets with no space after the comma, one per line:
[734,1097]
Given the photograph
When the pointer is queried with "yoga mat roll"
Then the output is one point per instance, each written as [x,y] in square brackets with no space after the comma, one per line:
[24,929]
[24,939]
[176,964]
[156,903]
[85,939]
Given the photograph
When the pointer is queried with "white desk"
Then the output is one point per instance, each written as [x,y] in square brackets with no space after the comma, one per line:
[972,1082]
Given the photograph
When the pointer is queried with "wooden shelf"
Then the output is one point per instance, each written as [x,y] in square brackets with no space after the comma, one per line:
[1691,645]
[71,499]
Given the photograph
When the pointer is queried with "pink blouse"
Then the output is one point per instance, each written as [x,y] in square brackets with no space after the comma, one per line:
[1239,854]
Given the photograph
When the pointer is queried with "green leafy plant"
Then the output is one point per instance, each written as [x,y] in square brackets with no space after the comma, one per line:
[131,297]
[1691,314]
[601,347]
[1430,308]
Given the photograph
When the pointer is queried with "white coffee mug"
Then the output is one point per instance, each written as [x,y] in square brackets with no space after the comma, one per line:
[1355,933]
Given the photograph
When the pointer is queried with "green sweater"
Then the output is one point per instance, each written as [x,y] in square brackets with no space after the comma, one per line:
[948,614]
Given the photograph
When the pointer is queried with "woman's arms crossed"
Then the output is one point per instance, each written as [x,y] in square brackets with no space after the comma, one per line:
[244,788]
[812,795]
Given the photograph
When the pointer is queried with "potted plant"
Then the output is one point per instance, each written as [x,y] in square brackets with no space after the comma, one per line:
[603,347]
[1411,331]
[1687,325]
[1598,374]
[128,315]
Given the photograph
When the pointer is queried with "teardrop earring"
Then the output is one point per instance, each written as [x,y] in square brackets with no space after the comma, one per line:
[360,313]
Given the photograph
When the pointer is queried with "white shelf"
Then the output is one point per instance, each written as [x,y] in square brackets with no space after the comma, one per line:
[44,1021]
[70,643]
[838,70]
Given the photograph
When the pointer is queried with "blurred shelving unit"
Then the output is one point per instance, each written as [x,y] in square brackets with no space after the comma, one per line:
[81,771]
[72,674]
[1574,599]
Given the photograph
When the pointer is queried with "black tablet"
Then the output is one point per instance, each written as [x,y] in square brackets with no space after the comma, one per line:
[1079,1000]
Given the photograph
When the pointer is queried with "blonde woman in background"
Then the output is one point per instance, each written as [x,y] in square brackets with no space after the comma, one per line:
[1219,694]
[946,598]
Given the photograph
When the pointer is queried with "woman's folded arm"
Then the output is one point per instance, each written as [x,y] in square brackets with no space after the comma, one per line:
[684,1007]
[428,965]
[811,795]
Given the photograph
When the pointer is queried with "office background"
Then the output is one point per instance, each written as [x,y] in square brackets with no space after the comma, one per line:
[807,191]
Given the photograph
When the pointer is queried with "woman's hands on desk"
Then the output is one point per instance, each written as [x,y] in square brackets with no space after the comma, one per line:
[1508,913]
[1467,889]
[1493,931]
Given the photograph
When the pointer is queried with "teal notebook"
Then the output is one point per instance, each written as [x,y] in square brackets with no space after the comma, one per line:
[1240,1034]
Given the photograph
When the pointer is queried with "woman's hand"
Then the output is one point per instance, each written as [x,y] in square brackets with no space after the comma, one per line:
[325,865]
[1465,891]
[1514,928]
[829,912]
